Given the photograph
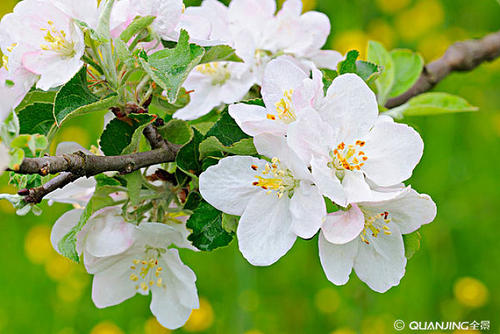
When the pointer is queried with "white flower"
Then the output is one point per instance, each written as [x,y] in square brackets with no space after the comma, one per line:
[368,238]
[258,36]
[52,45]
[276,200]
[352,142]
[4,158]
[288,93]
[126,259]
[14,85]
[79,192]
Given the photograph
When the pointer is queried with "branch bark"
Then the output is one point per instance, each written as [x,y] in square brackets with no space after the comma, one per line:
[459,57]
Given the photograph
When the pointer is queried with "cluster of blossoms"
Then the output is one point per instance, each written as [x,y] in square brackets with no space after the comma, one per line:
[318,148]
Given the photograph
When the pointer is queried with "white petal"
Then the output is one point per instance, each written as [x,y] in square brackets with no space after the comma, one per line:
[327,59]
[409,210]
[68,147]
[308,210]
[264,231]
[356,187]
[108,234]
[78,192]
[393,151]
[173,303]
[228,185]
[337,260]
[253,120]
[4,158]
[63,225]
[381,264]
[161,235]
[113,285]
[327,182]
[350,107]
[342,227]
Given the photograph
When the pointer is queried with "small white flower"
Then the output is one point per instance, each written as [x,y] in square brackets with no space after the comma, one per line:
[52,45]
[126,259]
[276,200]
[351,142]
[368,238]
[4,158]
[288,93]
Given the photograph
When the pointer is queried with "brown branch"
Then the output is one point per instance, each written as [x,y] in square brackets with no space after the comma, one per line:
[459,57]
[35,195]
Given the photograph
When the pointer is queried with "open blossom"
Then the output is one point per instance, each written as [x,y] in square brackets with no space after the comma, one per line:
[368,238]
[126,259]
[51,44]
[258,36]
[288,93]
[276,200]
[350,143]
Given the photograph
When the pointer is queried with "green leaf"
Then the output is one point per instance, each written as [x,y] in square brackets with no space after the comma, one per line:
[103,27]
[377,54]
[348,65]
[67,245]
[369,72]
[16,158]
[36,118]
[123,53]
[432,104]
[134,185]
[177,131]
[103,180]
[118,134]
[192,201]
[226,130]
[75,99]
[140,123]
[37,96]
[188,158]
[328,77]
[408,66]
[138,24]
[412,243]
[220,53]
[230,222]
[183,99]
[255,102]
[169,68]
[213,145]
[206,224]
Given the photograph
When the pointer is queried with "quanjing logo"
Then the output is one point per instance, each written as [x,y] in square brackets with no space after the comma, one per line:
[483,325]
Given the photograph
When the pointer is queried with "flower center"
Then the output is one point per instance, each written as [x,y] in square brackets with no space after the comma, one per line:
[275,179]
[219,73]
[284,108]
[348,157]
[376,224]
[146,272]
[57,41]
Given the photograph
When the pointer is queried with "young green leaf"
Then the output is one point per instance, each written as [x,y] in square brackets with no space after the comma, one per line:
[36,118]
[226,130]
[328,77]
[140,121]
[412,243]
[377,54]
[408,66]
[230,222]
[134,185]
[67,245]
[177,131]
[348,65]
[138,24]
[206,224]
[37,96]
[369,72]
[188,158]
[212,145]
[118,134]
[220,53]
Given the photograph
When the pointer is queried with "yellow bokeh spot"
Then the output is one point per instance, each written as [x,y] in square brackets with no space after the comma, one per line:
[249,300]
[200,319]
[6,206]
[253,331]
[152,326]
[433,46]
[307,5]
[414,22]
[392,6]
[351,40]
[375,325]
[58,267]
[37,244]
[470,292]
[343,331]
[106,327]
[71,289]
[73,133]
[380,30]
[327,300]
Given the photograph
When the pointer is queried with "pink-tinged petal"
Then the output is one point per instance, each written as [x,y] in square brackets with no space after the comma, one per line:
[309,94]
[327,182]
[264,231]
[337,260]
[342,227]
[381,264]
[63,225]
[253,120]
[408,209]
[113,285]
[172,304]
[350,107]
[393,151]
[228,186]
[12,95]
[308,210]
[317,25]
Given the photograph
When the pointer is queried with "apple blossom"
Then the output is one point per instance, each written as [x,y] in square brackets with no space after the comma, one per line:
[126,259]
[276,200]
[350,142]
[368,238]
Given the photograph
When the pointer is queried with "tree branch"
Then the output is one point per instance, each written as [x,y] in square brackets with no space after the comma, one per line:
[35,195]
[459,57]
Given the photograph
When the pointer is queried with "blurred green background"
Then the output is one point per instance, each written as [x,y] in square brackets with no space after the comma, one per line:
[455,275]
